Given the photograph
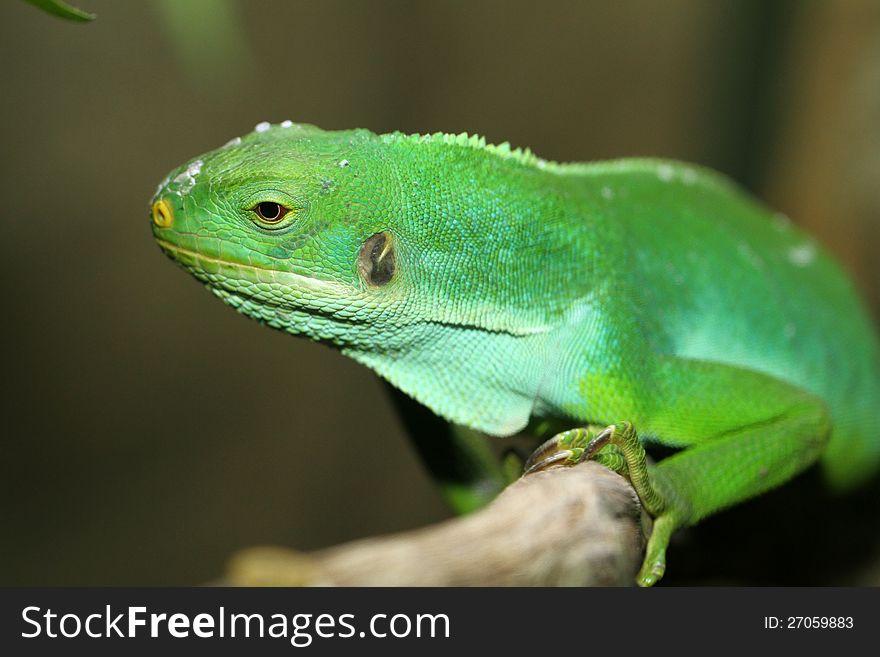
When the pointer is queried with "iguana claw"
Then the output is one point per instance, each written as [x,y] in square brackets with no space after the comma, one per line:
[566,448]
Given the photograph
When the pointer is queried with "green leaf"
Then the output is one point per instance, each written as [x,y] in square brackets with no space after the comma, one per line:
[59,8]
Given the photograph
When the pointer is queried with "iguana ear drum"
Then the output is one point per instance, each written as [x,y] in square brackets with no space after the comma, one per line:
[376,260]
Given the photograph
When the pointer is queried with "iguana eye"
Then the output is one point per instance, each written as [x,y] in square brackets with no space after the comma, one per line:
[270,212]
[376,260]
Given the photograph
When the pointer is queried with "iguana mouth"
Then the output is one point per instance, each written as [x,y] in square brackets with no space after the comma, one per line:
[219,269]
[293,292]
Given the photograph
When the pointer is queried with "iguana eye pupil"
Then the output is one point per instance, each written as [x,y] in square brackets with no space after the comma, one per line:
[270,212]
[376,262]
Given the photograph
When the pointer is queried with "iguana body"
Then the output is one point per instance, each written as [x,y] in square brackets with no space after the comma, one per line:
[495,287]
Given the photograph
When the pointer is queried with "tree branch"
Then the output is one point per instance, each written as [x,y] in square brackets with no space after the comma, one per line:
[567,526]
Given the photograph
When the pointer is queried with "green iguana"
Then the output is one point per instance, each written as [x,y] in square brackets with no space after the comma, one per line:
[498,288]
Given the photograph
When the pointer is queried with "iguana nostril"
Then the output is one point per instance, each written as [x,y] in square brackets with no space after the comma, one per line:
[163,217]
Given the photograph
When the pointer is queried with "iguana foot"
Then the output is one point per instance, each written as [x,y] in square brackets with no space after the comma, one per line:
[573,446]
[618,448]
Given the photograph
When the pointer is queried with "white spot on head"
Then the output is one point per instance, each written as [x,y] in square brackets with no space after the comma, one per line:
[262,126]
[235,141]
[287,123]
[343,163]
[802,255]
[607,193]
[665,172]
[195,168]
[186,180]
[781,222]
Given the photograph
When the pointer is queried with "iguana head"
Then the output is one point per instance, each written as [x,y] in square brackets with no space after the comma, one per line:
[405,252]
[275,224]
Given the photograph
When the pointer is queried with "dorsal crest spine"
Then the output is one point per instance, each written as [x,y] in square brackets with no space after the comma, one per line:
[504,150]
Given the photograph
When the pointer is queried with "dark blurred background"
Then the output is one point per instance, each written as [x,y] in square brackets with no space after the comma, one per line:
[147,430]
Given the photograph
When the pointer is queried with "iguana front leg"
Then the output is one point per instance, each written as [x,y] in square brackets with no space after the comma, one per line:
[744,433]
[618,448]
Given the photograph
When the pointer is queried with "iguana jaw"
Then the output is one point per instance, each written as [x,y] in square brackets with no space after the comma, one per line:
[267,288]
[197,262]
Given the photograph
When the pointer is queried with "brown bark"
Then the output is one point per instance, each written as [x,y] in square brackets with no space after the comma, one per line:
[567,526]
